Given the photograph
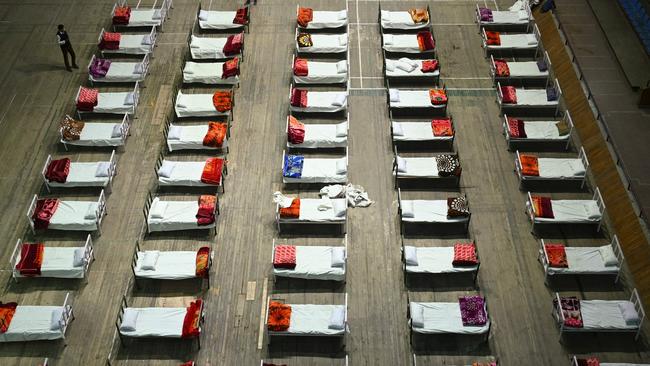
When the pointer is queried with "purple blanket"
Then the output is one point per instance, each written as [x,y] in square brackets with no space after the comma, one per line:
[99,67]
[472,310]
[485,14]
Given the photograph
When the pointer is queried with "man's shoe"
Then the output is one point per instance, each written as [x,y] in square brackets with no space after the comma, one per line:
[68,69]
[75,66]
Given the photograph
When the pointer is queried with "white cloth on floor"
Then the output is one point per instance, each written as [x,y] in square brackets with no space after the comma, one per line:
[356,195]
[282,200]
[518,5]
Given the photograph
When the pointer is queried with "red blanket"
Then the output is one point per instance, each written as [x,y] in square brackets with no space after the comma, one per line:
[216,134]
[296,131]
[438,96]
[425,41]
[570,308]
[509,94]
[429,65]
[31,259]
[442,127]
[305,15]
[556,255]
[279,316]
[203,262]
[230,68]
[233,44]
[300,67]
[516,128]
[222,101]
[543,207]
[493,38]
[7,311]
[591,361]
[45,209]
[87,99]
[110,41]
[192,321]
[241,16]
[284,257]
[122,15]
[529,165]
[205,213]
[212,171]
[464,254]
[299,98]
[58,170]
[291,212]
[501,68]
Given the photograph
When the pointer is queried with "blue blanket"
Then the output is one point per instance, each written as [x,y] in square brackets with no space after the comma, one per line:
[293,166]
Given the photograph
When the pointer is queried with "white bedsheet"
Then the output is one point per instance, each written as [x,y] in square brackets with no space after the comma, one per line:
[70,215]
[417,72]
[321,73]
[31,323]
[417,131]
[327,19]
[525,69]
[179,215]
[113,103]
[573,211]
[315,170]
[444,317]
[309,211]
[585,260]
[533,98]
[120,72]
[543,130]
[171,265]
[143,18]
[158,322]
[431,211]
[603,315]
[321,136]
[58,263]
[312,320]
[192,139]
[319,102]
[516,41]
[508,18]
[219,20]
[399,20]
[313,263]
[97,134]
[325,43]
[560,168]
[82,175]
[196,105]
[415,99]
[420,167]
[206,73]
[131,44]
[407,43]
[437,260]
[203,48]
[186,174]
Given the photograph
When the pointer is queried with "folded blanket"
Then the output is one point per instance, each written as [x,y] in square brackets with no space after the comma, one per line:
[442,127]
[542,207]
[122,15]
[296,131]
[222,101]
[7,311]
[305,15]
[87,99]
[58,170]
[110,41]
[293,166]
[516,128]
[304,40]
[551,94]
[493,38]
[562,128]
[472,310]
[591,361]
[300,67]
[284,256]
[425,41]
[31,259]
[570,307]
[464,255]
[419,15]
[291,212]
[71,129]
[233,44]
[279,316]
[485,14]
[205,213]
[203,262]
[429,66]
[448,165]
[438,96]
[45,209]
[230,68]
[216,134]
[241,16]
[501,68]
[212,171]
[192,320]
[509,94]
[299,98]
[529,165]
[556,255]
[457,207]
[99,67]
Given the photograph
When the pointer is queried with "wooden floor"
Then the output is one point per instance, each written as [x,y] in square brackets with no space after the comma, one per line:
[37,92]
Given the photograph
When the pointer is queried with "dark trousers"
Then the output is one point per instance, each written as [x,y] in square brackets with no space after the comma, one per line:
[67,49]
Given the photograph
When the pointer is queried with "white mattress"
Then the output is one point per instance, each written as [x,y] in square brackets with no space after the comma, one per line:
[97,134]
[206,73]
[586,260]
[417,72]
[69,215]
[508,18]
[399,20]
[319,171]
[192,139]
[311,320]
[31,323]
[158,322]
[120,72]
[179,215]
[444,317]
[132,44]
[437,260]
[321,73]
[113,103]
[172,265]
[203,48]
[309,212]
[543,130]
[603,315]
[525,69]
[327,19]
[186,174]
[321,136]
[420,168]
[418,131]
[415,99]
[196,105]
[431,211]
[313,263]
[219,20]
[516,41]
[143,18]
[325,43]
[82,175]
[321,102]
[556,168]
[533,98]
[57,262]
[573,211]
[407,43]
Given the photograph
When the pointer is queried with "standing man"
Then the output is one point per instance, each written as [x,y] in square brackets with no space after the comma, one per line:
[66,47]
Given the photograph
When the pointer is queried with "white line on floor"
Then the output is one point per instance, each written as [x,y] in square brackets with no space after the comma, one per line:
[358,43]
[8,107]
[265,306]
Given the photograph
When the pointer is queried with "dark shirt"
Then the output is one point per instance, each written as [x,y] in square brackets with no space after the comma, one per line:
[62,38]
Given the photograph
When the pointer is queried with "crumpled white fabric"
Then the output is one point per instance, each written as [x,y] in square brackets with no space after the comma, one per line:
[356,195]
[518,5]
[282,200]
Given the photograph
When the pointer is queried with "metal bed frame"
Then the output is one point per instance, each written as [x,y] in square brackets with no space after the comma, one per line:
[154,37]
[505,26]
[530,212]
[345,267]
[503,107]
[136,101]
[224,149]
[521,142]
[279,221]
[399,30]
[246,27]
[125,127]
[145,70]
[521,80]
[285,181]
[403,223]
[188,54]
[294,147]
[164,8]
[425,111]
[397,175]
[112,170]
[220,187]
[101,212]
[428,54]
[212,227]
[524,178]
[448,143]
[502,51]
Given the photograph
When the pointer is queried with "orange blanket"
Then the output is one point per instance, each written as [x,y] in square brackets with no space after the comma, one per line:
[222,101]
[529,165]
[425,41]
[442,127]
[279,316]
[192,320]
[493,38]
[216,134]
[438,96]
[305,15]
[556,255]
[212,171]
[31,259]
[419,15]
[291,212]
[543,207]
[6,314]
[203,262]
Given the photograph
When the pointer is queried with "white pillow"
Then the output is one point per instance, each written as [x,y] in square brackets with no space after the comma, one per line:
[174,133]
[404,66]
[338,257]
[148,40]
[117,131]
[102,169]
[166,169]
[343,14]
[130,99]
[129,319]
[342,166]
[417,315]
[55,320]
[410,62]
[629,313]
[397,129]
[337,318]
[157,14]
[340,99]
[390,65]
[149,260]
[385,15]
[194,44]
[388,39]
[203,15]
[342,129]
[523,15]
[394,95]
[340,207]
[401,164]
[180,104]
[411,256]
[607,253]
[531,39]
[407,209]
[343,40]
[91,213]
[188,70]
[78,259]
[139,68]
[342,67]
[157,209]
